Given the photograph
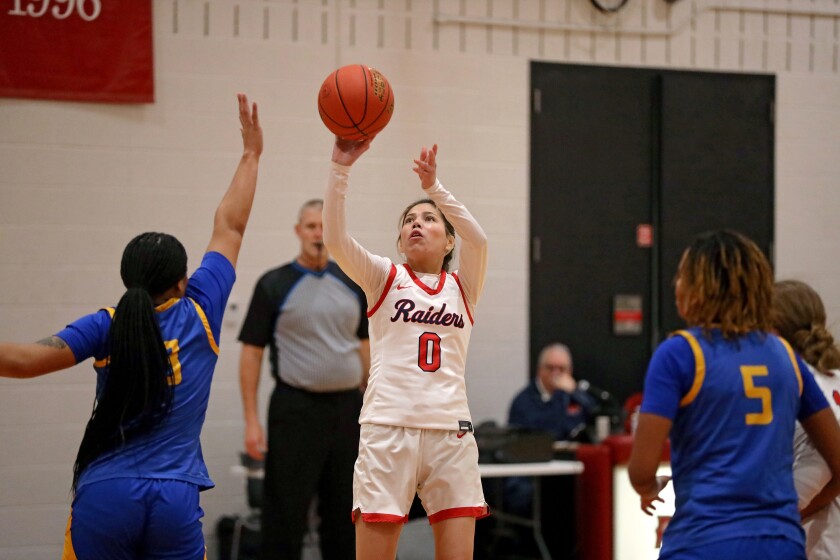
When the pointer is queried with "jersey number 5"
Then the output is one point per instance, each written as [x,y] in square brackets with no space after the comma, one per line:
[428,355]
[762,393]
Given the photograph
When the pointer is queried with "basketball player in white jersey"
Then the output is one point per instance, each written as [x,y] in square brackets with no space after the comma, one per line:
[416,430]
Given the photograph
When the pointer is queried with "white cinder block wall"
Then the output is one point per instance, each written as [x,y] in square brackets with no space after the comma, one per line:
[77,181]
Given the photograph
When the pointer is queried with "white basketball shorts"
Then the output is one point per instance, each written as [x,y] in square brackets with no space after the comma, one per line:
[394,463]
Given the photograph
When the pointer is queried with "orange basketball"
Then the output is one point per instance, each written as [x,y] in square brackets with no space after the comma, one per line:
[355,102]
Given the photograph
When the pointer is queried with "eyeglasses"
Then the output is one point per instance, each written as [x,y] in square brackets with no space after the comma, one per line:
[555,367]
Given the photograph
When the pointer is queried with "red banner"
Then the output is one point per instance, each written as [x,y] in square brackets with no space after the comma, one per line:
[77,50]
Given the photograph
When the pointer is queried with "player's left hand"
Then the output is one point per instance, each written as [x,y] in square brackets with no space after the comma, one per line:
[426,167]
[647,502]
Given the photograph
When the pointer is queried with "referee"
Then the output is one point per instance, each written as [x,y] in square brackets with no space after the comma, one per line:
[313,320]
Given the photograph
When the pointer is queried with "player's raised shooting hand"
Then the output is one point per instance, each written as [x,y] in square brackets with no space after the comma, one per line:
[346,152]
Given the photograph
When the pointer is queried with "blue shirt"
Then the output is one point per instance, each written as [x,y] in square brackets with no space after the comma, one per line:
[190,328]
[734,405]
[562,414]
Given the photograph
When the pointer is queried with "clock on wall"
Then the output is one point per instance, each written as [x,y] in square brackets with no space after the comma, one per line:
[609,6]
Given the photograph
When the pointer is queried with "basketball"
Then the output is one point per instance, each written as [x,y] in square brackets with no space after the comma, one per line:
[355,102]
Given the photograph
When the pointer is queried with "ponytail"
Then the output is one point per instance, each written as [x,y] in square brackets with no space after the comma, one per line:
[818,348]
[137,393]
[799,316]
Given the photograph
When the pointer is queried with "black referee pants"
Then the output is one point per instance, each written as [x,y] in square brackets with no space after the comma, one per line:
[313,442]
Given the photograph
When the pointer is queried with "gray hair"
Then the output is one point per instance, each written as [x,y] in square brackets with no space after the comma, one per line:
[314,203]
[555,346]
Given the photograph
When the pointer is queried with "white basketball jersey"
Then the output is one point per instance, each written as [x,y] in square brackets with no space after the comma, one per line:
[419,337]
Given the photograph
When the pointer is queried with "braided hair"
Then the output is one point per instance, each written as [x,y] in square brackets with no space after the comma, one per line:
[799,317]
[724,281]
[137,394]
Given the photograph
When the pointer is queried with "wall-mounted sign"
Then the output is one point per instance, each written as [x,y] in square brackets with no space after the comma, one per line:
[644,236]
[627,315]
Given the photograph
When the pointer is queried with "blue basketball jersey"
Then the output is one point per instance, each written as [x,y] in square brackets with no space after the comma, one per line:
[734,405]
[190,328]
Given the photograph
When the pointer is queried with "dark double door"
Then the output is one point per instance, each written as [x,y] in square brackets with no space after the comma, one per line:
[617,153]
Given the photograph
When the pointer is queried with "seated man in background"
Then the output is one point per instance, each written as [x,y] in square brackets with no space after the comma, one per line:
[552,401]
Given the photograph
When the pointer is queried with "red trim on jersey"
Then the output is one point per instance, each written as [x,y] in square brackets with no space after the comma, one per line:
[479,512]
[391,275]
[378,517]
[464,297]
[425,288]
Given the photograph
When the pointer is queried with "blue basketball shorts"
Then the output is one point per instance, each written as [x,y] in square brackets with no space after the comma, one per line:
[748,548]
[134,519]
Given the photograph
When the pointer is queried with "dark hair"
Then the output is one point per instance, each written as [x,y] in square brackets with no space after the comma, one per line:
[450,229]
[726,282]
[136,395]
[799,317]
